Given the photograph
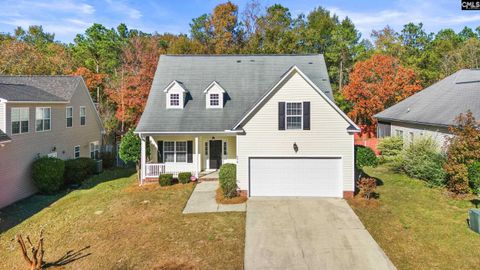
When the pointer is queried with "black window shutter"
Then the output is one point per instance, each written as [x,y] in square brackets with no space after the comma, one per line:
[306,115]
[189,151]
[160,151]
[281,116]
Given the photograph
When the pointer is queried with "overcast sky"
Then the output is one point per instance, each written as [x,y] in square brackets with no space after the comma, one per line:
[69,17]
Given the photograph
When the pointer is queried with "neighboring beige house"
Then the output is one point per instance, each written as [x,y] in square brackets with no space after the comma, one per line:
[39,116]
[272,115]
[430,112]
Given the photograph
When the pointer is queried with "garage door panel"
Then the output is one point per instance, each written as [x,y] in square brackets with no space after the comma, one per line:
[295,177]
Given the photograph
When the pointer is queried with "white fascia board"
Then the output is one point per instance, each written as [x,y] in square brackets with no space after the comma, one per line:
[170,85]
[213,84]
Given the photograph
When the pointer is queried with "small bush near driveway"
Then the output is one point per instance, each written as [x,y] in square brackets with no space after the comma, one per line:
[223,200]
[365,156]
[165,179]
[184,177]
[228,180]
[47,174]
[366,187]
[77,170]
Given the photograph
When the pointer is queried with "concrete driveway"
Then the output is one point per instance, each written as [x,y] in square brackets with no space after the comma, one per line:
[308,233]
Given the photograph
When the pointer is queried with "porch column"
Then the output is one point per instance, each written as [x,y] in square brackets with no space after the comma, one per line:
[143,153]
[197,158]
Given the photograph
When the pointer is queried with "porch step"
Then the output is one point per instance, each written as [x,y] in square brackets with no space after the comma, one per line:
[151,180]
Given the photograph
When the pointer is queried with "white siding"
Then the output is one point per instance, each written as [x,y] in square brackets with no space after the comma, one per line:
[437,133]
[328,135]
[3,116]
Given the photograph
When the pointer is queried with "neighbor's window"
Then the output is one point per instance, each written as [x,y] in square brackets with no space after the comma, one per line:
[69,115]
[94,150]
[76,151]
[42,116]
[83,116]
[293,115]
[20,118]
[175,151]
[214,100]
[411,137]
[174,100]
[399,133]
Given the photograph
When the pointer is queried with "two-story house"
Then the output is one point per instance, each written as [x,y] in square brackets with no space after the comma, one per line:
[272,115]
[43,115]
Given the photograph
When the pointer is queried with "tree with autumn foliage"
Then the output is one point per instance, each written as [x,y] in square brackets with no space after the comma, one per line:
[463,151]
[92,80]
[129,92]
[376,84]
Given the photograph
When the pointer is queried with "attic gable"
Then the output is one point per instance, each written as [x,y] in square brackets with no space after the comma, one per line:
[175,86]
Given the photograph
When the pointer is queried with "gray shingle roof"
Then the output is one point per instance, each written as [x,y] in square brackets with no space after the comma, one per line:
[21,92]
[4,137]
[61,86]
[441,103]
[245,78]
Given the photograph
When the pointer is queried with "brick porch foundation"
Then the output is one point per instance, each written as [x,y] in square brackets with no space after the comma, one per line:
[347,194]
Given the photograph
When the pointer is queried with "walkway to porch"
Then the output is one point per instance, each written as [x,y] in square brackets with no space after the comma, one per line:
[203,200]
[208,176]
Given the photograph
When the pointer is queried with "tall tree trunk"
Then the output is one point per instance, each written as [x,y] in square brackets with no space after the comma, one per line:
[340,79]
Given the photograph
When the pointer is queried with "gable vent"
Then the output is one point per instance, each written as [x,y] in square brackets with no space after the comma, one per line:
[310,63]
[252,60]
[239,61]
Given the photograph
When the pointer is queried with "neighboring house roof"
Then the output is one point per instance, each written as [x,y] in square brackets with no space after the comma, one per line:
[60,86]
[441,103]
[245,78]
[4,137]
[23,93]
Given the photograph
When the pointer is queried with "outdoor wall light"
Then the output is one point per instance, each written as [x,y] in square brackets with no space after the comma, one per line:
[295,147]
[54,148]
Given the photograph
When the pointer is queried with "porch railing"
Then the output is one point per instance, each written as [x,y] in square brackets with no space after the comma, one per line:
[154,169]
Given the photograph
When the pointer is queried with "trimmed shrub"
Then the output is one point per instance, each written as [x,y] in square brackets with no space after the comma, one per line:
[184,177]
[422,159]
[47,174]
[228,180]
[108,160]
[474,176]
[165,179]
[390,147]
[365,156]
[78,170]
[366,187]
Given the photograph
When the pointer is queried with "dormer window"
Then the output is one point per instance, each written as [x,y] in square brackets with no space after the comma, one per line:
[214,100]
[175,95]
[174,100]
[214,96]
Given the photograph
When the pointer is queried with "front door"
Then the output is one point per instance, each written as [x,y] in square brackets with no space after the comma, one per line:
[215,154]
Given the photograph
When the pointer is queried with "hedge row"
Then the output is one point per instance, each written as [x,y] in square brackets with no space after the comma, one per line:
[51,174]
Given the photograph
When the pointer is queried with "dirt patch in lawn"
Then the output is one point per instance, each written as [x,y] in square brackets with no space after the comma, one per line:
[119,225]
[223,200]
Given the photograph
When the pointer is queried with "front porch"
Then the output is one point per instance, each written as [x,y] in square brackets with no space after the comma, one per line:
[199,154]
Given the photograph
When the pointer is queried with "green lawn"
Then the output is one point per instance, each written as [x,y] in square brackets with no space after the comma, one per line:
[419,227]
[111,223]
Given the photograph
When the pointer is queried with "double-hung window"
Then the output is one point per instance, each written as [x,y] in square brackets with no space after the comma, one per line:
[293,115]
[83,116]
[42,119]
[20,120]
[399,133]
[214,100]
[94,150]
[69,116]
[175,151]
[76,151]
[175,100]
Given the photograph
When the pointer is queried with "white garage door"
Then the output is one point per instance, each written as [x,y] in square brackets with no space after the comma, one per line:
[305,176]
